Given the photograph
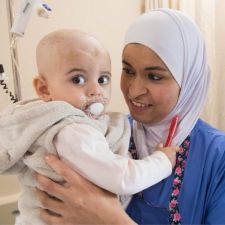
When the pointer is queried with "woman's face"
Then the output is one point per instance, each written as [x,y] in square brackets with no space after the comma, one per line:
[148,87]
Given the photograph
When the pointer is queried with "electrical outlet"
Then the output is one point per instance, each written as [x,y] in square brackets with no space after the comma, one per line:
[2,76]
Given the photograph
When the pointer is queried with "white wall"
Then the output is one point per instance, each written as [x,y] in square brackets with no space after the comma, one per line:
[107,20]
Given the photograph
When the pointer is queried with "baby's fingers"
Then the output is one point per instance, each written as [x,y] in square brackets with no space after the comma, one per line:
[176,148]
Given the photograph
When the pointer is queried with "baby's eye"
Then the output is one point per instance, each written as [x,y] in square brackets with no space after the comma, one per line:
[105,79]
[78,79]
[154,77]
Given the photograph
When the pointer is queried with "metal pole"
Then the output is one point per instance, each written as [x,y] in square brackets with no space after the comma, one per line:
[14,55]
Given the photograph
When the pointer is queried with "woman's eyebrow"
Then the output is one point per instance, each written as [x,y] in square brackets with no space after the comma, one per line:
[128,64]
[147,68]
[155,68]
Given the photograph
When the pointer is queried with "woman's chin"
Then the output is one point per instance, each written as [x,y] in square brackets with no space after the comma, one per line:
[147,118]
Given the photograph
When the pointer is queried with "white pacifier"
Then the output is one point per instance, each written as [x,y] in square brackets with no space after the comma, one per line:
[96,108]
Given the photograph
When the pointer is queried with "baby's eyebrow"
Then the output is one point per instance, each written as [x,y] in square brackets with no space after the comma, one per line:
[75,70]
[106,72]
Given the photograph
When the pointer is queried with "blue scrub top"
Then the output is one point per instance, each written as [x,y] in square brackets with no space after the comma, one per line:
[202,196]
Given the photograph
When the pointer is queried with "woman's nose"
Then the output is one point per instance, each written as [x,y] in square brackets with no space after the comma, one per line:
[137,88]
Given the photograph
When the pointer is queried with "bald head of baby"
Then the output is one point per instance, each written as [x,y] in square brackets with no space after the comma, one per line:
[68,61]
[61,45]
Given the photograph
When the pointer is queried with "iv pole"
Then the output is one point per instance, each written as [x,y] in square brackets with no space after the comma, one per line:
[17,27]
[13,51]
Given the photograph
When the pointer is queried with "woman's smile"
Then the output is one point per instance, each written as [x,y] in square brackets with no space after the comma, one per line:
[139,106]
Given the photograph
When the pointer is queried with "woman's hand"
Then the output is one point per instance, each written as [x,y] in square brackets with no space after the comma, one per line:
[79,202]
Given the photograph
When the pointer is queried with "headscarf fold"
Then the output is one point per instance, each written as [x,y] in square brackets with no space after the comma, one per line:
[176,39]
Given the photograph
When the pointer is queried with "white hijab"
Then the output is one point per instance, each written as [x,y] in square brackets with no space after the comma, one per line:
[178,42]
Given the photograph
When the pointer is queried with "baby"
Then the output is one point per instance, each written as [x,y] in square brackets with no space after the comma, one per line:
[69,119]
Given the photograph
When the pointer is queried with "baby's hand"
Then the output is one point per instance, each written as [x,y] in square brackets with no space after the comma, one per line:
[169,151]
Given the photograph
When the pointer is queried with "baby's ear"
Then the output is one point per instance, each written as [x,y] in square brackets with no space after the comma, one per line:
[41,88]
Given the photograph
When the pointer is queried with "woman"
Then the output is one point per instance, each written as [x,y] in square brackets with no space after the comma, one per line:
[165,73]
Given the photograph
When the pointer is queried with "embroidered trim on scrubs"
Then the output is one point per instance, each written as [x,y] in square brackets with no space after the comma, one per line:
[174,214]
[132,148]
[175,217]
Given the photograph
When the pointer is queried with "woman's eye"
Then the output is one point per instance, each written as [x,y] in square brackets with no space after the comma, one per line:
[104,79]
[127,71]
[78,79]
[154,77]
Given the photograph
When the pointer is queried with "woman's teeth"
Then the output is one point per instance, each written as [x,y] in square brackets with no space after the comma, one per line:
[140,105]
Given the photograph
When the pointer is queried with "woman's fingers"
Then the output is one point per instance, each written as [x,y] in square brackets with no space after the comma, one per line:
[81,202]
[47,185]
[53,188]
[52,204]
[62,169]
[49,218]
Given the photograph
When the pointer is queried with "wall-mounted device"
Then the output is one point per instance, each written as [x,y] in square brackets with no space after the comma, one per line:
[17,26]
[26,8]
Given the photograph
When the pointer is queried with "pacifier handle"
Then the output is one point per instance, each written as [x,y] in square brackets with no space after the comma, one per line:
[96,108]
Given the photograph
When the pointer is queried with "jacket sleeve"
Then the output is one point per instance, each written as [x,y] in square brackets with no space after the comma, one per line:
[85,149]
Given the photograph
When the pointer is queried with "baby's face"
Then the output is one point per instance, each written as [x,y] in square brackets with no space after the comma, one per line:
[81,76]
